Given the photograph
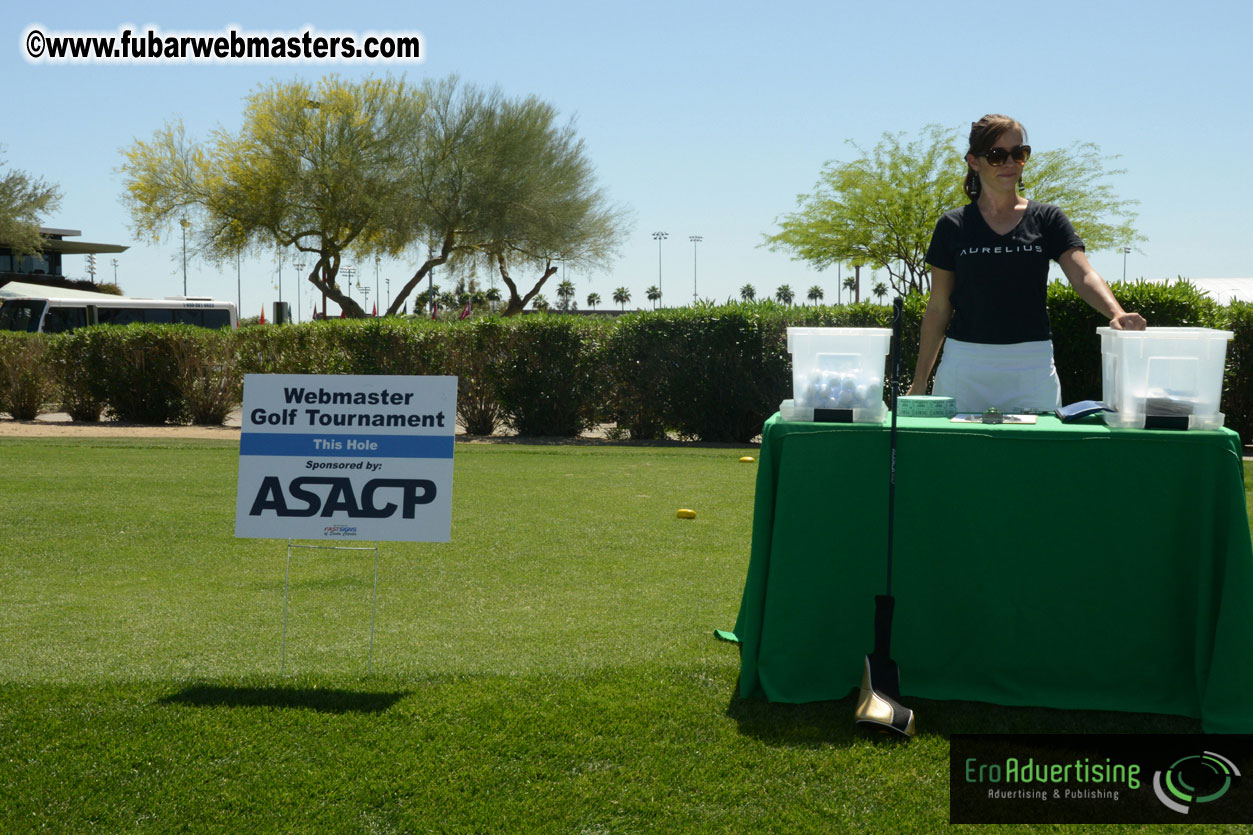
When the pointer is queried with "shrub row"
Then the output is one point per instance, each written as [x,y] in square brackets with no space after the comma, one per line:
[711,373]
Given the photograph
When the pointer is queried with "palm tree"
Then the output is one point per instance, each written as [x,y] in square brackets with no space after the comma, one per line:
[850,284]
[748,292]
[784,295]
[654,295]
[493,298]
[815,294]
[622,295]
[593,299]
[565,294]
[540,303]
[880,290]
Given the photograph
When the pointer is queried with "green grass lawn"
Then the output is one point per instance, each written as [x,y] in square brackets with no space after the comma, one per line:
[552,669]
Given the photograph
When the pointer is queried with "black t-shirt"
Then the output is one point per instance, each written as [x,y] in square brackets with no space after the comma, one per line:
[1002,280]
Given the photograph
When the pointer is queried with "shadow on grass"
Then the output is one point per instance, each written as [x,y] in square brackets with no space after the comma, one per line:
[304,698]
[831,722]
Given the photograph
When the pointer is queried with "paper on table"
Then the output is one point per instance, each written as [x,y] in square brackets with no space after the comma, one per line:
[975,417]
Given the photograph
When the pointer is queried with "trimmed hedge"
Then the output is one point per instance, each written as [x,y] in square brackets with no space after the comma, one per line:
[712,373]
[137,370]
[27,383]
[77,362]
[475,349]
[547,376]
[1237,402]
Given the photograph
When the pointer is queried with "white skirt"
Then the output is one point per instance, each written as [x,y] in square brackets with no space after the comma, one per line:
[1012,378]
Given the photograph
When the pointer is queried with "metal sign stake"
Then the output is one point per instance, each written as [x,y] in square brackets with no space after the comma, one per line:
[374,597]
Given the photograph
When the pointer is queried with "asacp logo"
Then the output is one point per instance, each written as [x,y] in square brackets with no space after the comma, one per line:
[339,530]
[1194,779]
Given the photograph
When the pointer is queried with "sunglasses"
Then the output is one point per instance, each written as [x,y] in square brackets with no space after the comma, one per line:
[997,156]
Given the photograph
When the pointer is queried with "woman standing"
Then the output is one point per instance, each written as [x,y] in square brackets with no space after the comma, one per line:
[989,278]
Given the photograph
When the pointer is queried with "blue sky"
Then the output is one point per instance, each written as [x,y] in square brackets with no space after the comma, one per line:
[703,118]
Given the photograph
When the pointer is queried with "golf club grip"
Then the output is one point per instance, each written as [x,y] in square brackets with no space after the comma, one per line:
[898,307]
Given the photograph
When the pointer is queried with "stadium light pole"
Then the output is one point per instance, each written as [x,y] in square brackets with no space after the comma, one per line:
[695,239]
[1126,250]
[348,273]
[659,237]
[183,222]
[300,269]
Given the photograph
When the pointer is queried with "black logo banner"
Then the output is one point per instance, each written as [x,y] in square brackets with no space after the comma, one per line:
[1093,778]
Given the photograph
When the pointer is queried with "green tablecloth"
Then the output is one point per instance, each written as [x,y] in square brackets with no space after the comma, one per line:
[1068,566]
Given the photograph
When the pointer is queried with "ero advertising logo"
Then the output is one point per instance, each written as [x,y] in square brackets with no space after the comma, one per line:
[1099,778]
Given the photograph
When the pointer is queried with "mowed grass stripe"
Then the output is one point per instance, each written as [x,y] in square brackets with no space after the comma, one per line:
[121,562]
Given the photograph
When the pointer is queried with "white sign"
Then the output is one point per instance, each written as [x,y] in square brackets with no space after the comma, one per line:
[346,457]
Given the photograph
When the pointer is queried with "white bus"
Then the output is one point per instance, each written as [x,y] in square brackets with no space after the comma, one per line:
[57,315]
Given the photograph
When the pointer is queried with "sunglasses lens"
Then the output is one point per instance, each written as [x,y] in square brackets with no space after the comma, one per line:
[997,156]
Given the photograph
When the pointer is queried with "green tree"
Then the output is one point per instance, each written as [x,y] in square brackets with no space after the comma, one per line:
[565,295]
[593,299]
[542,204]
[784,295]
[881,208]
[850,284]
[470,178]
[492,295]
[1075,179]
[748,292]
[317,169]
[622,295]
[23,200]
[880,290]
[538,302]
[815,294]
[654,295]
[500,184]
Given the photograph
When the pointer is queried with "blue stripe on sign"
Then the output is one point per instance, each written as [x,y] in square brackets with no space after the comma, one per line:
[346,446]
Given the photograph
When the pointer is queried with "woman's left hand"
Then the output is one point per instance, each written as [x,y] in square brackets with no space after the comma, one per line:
[1128,322]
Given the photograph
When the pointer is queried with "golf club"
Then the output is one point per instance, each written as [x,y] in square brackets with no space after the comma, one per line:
[878,705]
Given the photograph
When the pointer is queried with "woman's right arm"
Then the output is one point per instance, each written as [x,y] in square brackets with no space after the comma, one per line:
[934,324]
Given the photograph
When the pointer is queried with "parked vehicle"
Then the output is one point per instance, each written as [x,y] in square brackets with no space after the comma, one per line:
[57,315]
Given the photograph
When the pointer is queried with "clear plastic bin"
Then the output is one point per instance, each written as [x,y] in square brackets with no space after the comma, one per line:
[1163,377]
[837,373]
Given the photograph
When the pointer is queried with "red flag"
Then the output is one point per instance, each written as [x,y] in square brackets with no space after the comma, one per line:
[262,314]
[376,309]
[435,310]
[465,312]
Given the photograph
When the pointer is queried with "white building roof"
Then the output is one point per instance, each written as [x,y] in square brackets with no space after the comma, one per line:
[1222,290]
[16,289]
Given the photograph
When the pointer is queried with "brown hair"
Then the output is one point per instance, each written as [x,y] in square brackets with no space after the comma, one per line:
[983,135]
